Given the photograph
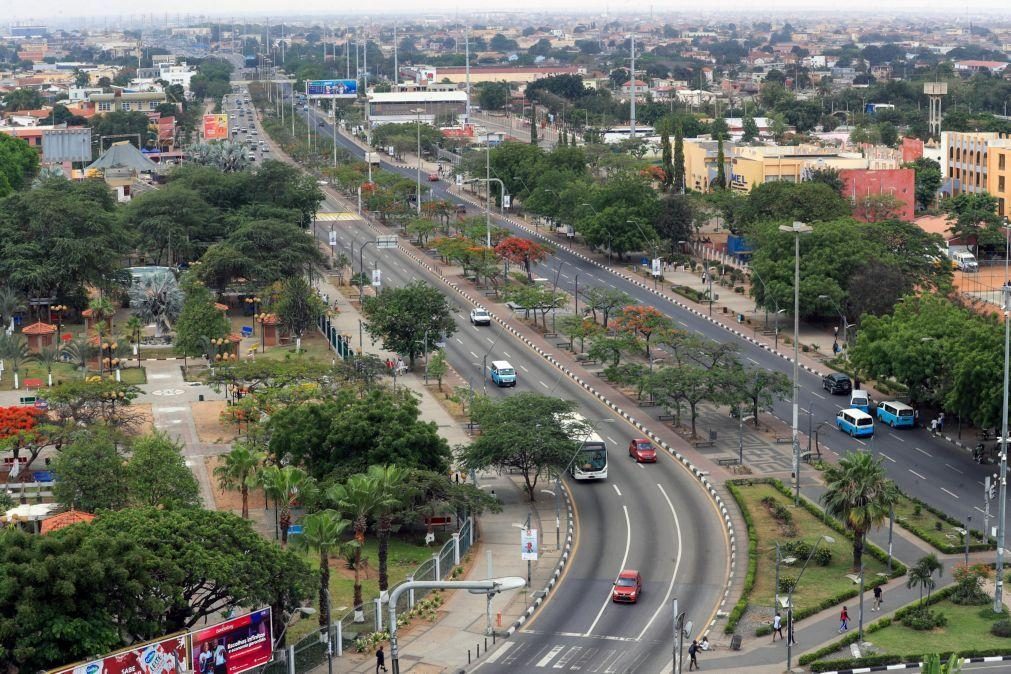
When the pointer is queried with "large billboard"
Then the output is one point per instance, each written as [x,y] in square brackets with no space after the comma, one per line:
[234,646]
[331,88]
[215,127]
[59,145]
[167,656]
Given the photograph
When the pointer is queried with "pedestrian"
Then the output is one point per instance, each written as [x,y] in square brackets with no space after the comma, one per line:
[933,426]
[916,418]
[877,598]
[380,659]
[835,347]
[940,422]
[326,299]
[844,621]
[692,652]
[777,627]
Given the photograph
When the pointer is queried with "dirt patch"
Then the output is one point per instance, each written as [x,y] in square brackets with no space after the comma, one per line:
[207,419]
[231,501]
[145,418]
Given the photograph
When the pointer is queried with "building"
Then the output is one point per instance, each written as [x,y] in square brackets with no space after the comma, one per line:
[999,175]
[120,101]
[966,155]
[900,183]
[511,74]
[972,67]
[400,107]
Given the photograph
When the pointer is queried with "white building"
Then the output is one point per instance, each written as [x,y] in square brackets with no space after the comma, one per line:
[401,107]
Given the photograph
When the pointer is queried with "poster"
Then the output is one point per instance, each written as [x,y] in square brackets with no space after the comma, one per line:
[167,656]
[234,646]
[331,88]
[215,127]
[528,545]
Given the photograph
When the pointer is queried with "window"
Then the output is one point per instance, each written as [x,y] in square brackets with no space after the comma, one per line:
[1000,183]
[1000,161]
[104,107]
[125,107]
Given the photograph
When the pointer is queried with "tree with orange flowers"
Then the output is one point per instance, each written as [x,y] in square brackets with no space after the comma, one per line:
[644,322]
[522,251]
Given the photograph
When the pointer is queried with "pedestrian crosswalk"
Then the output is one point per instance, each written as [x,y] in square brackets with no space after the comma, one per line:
[598,657]
[334,216]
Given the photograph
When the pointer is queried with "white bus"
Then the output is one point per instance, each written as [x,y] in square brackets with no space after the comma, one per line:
[590,462]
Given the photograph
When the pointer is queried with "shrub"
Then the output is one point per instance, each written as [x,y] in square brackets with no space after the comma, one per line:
[924,619]
[939,526]
[786,584]
[823,557]
[798,549]
[917,510]
[1001,628]
[969,585]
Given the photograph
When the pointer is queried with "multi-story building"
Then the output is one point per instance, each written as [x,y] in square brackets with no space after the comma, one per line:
[999,174]
[119,101]
[965,159]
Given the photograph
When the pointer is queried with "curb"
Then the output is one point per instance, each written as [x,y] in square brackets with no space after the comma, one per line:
[916,665]
[699,475]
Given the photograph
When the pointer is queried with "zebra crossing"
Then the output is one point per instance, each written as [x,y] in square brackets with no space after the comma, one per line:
[596,655]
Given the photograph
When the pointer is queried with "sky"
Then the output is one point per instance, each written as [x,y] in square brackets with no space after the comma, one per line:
[41,10]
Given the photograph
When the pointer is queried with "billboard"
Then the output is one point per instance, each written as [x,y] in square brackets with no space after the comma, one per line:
[331,88]
[60,145]
[234,646]
[215,127]
[167,656]
[528,545]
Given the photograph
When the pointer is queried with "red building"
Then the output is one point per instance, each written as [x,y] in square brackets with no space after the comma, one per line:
[912,149]
[858,184]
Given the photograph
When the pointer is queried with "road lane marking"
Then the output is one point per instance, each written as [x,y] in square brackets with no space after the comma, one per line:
[460,341]
[613,441]
[917,474]
[948,492]
[543,662]
[616,489]
[624,560]
[473,354]
[677,563]
[502,650]
[923,452]
[753,360]
[490,340]
[896,437]
[507,354]
[951,467]
[524,369]
[640,465]
[861,442]
[569,656]
[888,457]
[545,385]
[817,395]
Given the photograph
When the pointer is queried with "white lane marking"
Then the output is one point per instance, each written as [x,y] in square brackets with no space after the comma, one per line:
[569,656]
[616,489]
[896,437]
[543,662]
[980,509]
[460,341]
[473,326]
[641,466]
[490,340]
[923,452]
[507,354]
[607,600]
[753,360]
[888,457]
[917,474]
[861,442]
[544,385]
[499,652]
[613,441]
[473,354]
[948,492]
[817,395]
[524,369]
[565,277]
[951,467]
[677,563]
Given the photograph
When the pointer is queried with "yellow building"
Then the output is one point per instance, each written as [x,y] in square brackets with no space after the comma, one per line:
[999,174]
[966,160]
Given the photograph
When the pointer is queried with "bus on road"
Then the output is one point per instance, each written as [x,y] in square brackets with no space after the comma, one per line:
[590,461]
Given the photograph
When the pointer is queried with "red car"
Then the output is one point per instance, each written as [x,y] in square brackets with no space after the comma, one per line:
[433,177]
[642,450]
[628,587]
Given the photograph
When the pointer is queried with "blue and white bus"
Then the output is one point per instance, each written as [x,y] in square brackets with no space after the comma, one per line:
[856,423]
[896,414]
[590,461]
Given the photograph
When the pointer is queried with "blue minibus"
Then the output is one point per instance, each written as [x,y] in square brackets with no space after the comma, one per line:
[855,422]
[896,414]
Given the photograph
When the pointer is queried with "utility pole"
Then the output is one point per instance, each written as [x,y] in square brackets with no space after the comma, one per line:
[998,593]
[632,81]
[466,42]
[396,69]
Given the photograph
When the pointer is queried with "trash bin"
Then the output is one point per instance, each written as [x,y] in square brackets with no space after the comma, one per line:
[200,397]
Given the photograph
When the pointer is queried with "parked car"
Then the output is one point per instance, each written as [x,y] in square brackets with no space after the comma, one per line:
[480,316]
[837,383]
[433,177]
[628,587]
[642,450]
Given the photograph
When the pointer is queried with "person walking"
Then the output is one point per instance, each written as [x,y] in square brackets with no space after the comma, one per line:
[844,621]
[877,598]
[777,627]
[380,659]
[693,651]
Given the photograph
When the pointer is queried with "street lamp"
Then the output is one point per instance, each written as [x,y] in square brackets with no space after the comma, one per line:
[558,511]
[290,620]
[253,301]
[789,600]
[59,309]
[998,604]
[418,112]
[797,228]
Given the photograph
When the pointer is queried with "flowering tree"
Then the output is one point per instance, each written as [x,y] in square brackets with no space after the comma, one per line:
[522,251]
[18,419]
[642,321]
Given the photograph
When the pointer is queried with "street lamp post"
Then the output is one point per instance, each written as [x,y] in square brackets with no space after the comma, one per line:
[789,600]
[998,604]
[797,228]
[255,303]
[59,309]
[418,112]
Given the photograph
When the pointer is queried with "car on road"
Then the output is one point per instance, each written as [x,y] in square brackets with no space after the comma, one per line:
[433,177]
[480,316]
[642,450]
[837,383]
[627,587]
[855,423]
[503,373]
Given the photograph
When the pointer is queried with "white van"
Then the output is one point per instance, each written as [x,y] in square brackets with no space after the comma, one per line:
[859,400]
[503,373]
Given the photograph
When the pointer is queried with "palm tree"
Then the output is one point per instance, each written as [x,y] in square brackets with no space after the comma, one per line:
[48,356]
[10,302]
[359,498]
[240,469]
[860,495]
[14,351]
[324,532]
[78,350]
[392,481]
[287,486]
[922,574]
[102,309]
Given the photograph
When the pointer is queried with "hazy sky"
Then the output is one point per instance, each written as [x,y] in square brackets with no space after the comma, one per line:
[40,10]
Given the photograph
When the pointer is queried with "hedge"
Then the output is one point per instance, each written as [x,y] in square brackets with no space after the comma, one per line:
[898,569]
[690,293]
[946,548]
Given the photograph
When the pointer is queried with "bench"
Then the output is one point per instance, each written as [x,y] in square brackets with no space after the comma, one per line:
[783,439]
[585,360]
[698,444]
[727,461]
[806,457]
[665,417]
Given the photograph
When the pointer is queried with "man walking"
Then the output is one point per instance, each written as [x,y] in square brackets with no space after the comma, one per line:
[380,659]
[877,598]
[844,621]
[777,627]
[693,650]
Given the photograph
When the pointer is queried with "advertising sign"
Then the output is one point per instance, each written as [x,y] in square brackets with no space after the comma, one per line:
[332,88]
[234,646]
[333,238]
[528,545]
[377,277]
[167,656]
[215,127]
[59,145]
[657,267]
[385,241]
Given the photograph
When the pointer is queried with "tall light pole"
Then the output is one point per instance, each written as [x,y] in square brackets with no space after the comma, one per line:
[487,188]
[789,600]
[797,228]
[998,604]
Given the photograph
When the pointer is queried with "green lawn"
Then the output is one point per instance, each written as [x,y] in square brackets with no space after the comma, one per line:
[968,628]
[66,372]
[819,582]
[925,525]
[313,347]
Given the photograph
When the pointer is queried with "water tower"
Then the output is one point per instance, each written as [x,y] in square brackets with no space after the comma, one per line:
[934,91]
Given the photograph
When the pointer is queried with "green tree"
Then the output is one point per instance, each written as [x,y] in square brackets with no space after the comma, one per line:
[521,432]
[493,95]
[323,532]
[297,307]
[829,176]
[927,181]
[240,469]
[973,216]
[131,127]
[678,184]
[392,483]
[288,486]
[261,251]
[922,574]
[605,301]
[760,389]
[786,202]
[158,476]
[200,320]
[18,164]
[860,495]
[23,99]
[438,367]
[666,159]
[402,316]
[533,125]
[90,474]
[172,223]
[750,129]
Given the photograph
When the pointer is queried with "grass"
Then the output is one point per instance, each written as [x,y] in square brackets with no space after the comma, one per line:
[314,347]
[819,583]
[66,372]
[968,628]
[404,557]
[924,525]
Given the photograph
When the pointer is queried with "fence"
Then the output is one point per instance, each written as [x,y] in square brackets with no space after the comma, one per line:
[310,651]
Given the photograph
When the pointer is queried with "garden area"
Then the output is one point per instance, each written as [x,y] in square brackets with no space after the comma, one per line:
[830,577]
[936,528]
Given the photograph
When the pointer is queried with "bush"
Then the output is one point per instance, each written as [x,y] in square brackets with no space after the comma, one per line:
[779,511]
[924,619]
[798,549]
[823,557]
[749,577]
[917,510]
[786,584]
[1001,628]
[968,590]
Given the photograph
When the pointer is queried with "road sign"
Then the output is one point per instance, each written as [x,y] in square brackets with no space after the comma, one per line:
[377,277]
[294,529]
[333,238]
[506,201]
[657,269]
[386,241]
[528,545]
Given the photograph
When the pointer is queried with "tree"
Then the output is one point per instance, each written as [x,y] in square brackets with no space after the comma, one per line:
[19,163]
[15,353]
[533,125]
[973,216]
[860,495]
[537,298]
[437,366]
[240,469]
[224,155]
[158,476]
[761,388]
[172,223]
[493,95]
[666,159]
[828,176]
[323,532]
[606,301]
[261,251]
[645,322]
[922,574]
[392,483]
[786,202]
[89,473]
[132,127]
[579,327]
[518,250]
[676,219]
[402,316]
[521,432]
[288,486]
[678,183]
[23,99]
[199,319]
[155,298]
[360,498]
[927,181]
[298,308]
[687,384]
[750,129]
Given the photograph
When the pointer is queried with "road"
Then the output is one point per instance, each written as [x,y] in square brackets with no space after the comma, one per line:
[928,468]
[654,518]
[242,118]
